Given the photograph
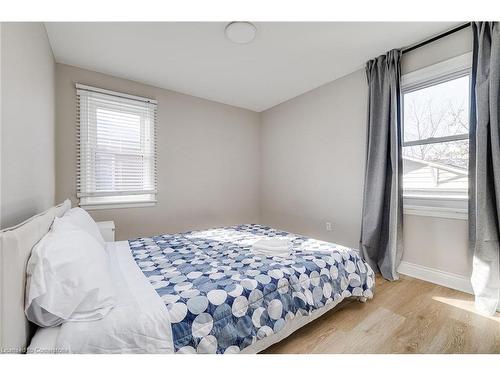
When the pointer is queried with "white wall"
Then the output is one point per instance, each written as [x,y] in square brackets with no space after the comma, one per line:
[208,159]
[313,151]
[27,120]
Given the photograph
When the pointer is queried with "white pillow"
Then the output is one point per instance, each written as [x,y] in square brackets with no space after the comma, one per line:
[140,322]
[80,218]
[67,279]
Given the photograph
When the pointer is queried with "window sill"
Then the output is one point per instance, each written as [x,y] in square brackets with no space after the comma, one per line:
[111,206]
[440,212]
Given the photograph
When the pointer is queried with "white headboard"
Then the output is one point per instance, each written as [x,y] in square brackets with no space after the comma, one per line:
[15,250]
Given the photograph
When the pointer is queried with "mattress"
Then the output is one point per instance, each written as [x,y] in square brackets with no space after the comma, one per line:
[216,295]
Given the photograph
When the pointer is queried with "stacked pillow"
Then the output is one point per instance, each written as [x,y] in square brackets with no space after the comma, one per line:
[68,273]
[78,217]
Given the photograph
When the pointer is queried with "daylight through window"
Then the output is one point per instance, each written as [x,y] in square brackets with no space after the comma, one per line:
[435,138]
[116,158]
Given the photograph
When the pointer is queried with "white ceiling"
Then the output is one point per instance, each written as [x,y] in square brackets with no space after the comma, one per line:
[284,60]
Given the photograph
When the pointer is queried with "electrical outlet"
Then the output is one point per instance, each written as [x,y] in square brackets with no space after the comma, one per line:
[328,226]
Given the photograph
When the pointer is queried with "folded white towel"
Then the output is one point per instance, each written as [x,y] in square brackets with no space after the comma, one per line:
[273,244]
[272,247]
[282,254]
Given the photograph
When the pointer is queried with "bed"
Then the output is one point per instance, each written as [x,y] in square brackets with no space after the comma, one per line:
[207,292]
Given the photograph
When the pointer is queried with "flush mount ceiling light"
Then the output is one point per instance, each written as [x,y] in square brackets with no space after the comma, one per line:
[240,32]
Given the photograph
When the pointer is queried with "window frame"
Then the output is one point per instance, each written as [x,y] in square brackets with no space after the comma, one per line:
[451,206]
[134,199]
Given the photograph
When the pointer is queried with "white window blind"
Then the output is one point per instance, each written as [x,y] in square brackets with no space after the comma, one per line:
[116,148]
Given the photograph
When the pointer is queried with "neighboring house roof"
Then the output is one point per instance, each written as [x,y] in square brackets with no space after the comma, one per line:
[422,174]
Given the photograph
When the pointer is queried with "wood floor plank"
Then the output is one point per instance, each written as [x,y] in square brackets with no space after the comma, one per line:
[368,334]
[405,316]
[423,317]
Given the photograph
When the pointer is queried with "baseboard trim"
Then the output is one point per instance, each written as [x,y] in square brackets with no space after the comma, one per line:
[432,275]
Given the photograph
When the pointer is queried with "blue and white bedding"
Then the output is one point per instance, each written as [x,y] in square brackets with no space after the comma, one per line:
[221,297]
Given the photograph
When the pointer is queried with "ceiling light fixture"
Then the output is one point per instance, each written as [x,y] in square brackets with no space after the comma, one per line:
[240,32]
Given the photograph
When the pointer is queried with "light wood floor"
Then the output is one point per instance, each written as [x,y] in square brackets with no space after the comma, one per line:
[405,316]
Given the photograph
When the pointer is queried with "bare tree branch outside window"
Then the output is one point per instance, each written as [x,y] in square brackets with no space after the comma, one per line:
[436,124]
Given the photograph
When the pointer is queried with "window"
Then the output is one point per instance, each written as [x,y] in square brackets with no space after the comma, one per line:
[116,149]
[436,137]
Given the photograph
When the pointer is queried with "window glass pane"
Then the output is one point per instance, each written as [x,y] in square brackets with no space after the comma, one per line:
[118,131]
[119,164]
[437,111]
[118,172]
[439,168]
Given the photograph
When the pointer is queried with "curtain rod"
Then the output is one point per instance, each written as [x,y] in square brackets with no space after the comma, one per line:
[434,38]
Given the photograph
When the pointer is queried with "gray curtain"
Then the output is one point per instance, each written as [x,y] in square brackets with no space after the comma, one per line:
[382,221]
[484,166]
